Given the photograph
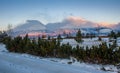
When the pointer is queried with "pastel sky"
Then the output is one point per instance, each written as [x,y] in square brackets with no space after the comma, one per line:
[17,11]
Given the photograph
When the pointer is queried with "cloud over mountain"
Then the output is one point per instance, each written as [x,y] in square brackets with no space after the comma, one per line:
[75,20]
[72,22]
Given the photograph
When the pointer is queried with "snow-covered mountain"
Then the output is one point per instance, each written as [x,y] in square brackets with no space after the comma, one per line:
[71,23]
[68,25]
[30,25]
[54,26]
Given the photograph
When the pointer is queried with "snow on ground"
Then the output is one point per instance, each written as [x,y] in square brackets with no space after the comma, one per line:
[24,63]
[87,42]
[2,48]
[105,39]
[72,42]
[118,41]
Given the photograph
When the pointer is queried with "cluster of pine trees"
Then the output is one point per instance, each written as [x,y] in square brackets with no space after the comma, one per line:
[52,48]
[98,54]
[40,47]
[114,34]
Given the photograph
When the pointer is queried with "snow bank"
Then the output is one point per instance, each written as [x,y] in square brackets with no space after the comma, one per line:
[2,48]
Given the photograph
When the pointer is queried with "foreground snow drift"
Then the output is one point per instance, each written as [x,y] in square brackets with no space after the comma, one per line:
[17,63]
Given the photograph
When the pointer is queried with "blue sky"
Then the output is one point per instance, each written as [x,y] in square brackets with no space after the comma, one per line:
[17,11]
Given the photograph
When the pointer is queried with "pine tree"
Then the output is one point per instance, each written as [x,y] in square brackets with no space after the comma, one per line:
[48,37]
[118,34]
[99,38]
[59,37]
[78,36]
[113,35]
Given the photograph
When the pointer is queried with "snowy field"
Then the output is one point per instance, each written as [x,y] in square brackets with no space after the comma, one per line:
[24,63]
[88,42]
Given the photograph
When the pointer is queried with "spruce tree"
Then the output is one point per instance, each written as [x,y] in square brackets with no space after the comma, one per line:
[113,35]
[78,36]
[59,37]
[48,37]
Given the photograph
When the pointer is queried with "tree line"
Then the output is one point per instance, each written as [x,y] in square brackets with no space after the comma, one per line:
[102,54]
[52,48]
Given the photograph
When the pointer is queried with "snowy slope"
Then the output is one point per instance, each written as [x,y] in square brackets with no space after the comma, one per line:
[17,63]
[105,30]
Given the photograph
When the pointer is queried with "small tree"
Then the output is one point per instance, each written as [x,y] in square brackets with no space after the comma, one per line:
[99,38]
[43,36]
[59,37]
[113,35]
[78,36]
[48,37]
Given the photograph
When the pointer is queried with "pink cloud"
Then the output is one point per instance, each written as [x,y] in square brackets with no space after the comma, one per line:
[104,24]
[75,19]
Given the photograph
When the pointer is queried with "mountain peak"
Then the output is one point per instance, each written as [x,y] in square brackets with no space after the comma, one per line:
[30,25]
[33,22]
